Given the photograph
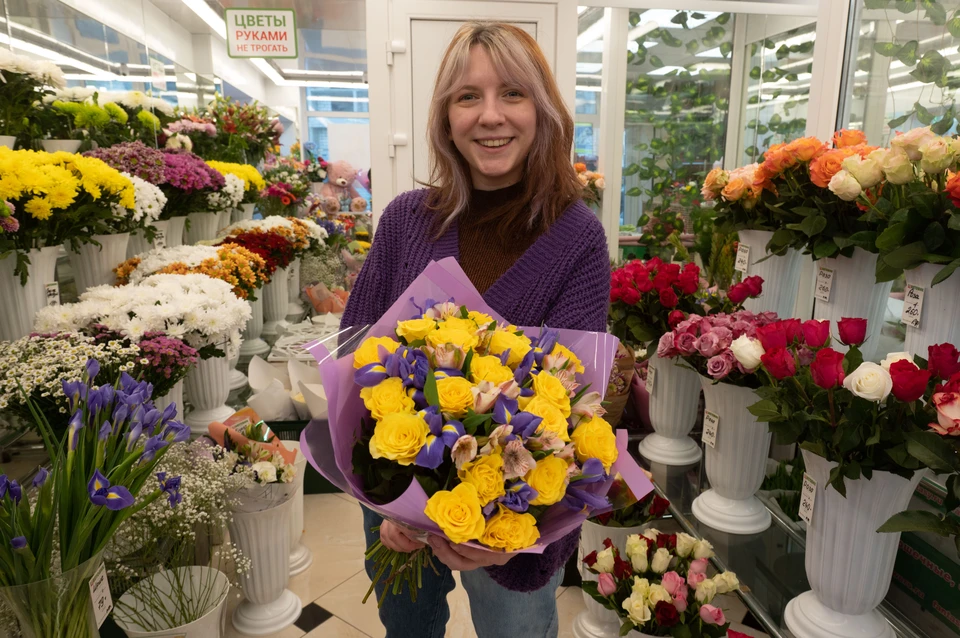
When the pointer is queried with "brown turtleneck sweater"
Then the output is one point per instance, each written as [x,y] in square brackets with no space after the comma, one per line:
[484,257]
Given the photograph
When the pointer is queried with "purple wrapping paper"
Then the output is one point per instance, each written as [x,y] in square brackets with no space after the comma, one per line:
[328,445]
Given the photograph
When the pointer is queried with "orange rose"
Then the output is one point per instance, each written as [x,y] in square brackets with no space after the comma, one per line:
[580,167]
[953,187]
[805,148]
[734,189]
[846,137]
[823,168]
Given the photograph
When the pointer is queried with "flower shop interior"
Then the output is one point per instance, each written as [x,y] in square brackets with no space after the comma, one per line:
[765,441]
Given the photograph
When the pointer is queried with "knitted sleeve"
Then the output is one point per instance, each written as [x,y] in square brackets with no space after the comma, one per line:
[584,298]
[370,296]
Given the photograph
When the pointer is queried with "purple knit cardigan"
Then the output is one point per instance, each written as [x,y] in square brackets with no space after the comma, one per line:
[562,281]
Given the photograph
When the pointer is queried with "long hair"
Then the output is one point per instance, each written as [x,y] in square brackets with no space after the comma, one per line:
[550,181]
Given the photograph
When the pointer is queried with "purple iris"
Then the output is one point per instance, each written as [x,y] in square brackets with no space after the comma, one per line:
[74,391]
[176,432]
[581,500]
[171,487]
[451,431]
[16,492]
[120,413]
[18,542]
[431,454]
[433,418]
[523,370]
[518,496]
[93,369]
[153,445]
[136,429]
[591,472]
[370,375]
[504,409]
[526,424]
[421,368]
[40,478]
[505,356]
[546,342]
[169,412]
[446,373]
[4,485]
[526,392]
[105,430]
[396,365]
[127,382]
[74,427]
[101,493]
[151,419]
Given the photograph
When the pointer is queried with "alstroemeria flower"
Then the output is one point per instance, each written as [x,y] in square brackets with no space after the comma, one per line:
[501,435]
[464,450]
[484,396]
[948,413]
[589,405]
[517,460]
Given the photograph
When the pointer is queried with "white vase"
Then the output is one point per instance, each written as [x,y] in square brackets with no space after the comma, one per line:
[202,583]
[175,395]
[596,621]
[237,380]
[138,244]
[855,293]
[252,343]
[175,231]
[268,605]
[223,219]
[781,274]
[244,212]
[849,565]
[54,146]
[21,303]
[203,226]
[93,265]
[736,465]
[276,295]
[938,315]
[207,386]
[673,404]
[315,187]
[8,140]
[294,306]
[300,555]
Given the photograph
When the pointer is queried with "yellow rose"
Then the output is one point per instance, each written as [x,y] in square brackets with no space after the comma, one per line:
[369,350]
[595,439]
[549,388]
[486,474]
[457,337]
[518,346]
[416,329]
[458,513]
[387,397]
[399,437]
[510,531]
[456,396]
[553,418]
[456,323]
[559,350]
[489,368]
[482,320]
[549,478]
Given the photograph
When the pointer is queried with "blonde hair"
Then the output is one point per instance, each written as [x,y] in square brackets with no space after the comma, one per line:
[551,183]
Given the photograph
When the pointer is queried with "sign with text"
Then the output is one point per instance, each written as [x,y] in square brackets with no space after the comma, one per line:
[158,74]
[711,424]
[743,259]
[261,33]
[808,496]
[912,305]
[824,284]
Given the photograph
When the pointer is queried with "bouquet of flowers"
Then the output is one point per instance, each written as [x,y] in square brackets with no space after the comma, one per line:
[25,81]
[192,133]
[287,171]
[452,421]
[303,235]
[245,132]
[278,198]
[49,551]
[255,453]
[627,510]
[228,197]
[188,183]
[71,116]
[134,158]
[252,180]
[315,170]
[146,115]
[592,182]
[202,311]
[661,587]
[736,195]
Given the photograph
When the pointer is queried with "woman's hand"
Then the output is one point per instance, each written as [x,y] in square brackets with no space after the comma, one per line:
[398,538]
[465,558]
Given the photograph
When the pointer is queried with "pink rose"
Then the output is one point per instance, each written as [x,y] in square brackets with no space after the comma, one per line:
[806,355]
[665,349]
[673,583]
[709,344]
[741,328]
[698,566]
[685,342]
[680,600]
[767,317]
[721,321]
[695,578]
[721,365]
[686,325]
[606,585]
[948,413]
[712,615]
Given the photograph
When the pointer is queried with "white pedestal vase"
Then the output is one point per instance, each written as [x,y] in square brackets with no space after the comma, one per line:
[849,565]
[736,465]
[200,584]
[243,212]
[223,219]
[855,293]
[268,605]
[8,140]
[93,265]
[203,226]
[300,555]
[252,343]
[294,306]
[673,404]
[208,386]
[938,316]
[175,395]
[54,146]
[138,244]
[175,230]
[276,295]
[237,379]
[21,303]
[596,621]
[781,275]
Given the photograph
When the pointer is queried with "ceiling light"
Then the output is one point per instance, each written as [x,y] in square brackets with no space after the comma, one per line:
[208,15]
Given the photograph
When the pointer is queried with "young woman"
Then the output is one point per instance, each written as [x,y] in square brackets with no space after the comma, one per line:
[505,201]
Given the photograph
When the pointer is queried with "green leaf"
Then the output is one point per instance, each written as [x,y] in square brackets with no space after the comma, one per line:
[810,226]
[876,4]
[936,12]
[945,123]
[934,236]
[917,521]
[906,6]
[923,114]
[891,237]
[681,19]
[897,121]
[696,15]
[693,46]
[634,18]
[945,272]
[905,257]
[907,54]
[825,249]
[641,332]
[723,18]
[669,39]
[725,48]
[769,44]
[430,390]
[633,192]
[769,76]
[932,450]
[466,364]
[887,49]
[656,62]
[755,73]
[765,411]
[931,66]
[792,77]
[783,52]
[632,169]
[953,26]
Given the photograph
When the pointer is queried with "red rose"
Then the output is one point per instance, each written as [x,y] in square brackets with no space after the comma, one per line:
[942,360]
[622,568]
[793,328]
[607,543]
[909,382]
[644,284]
[603,519]
[688,282]
[668,298]
[816,333]
[659,506]
[590,559]
[779,363]
[630,296]
[662,280]
[675,317]
[666,614]
[952,384]
[772,336]
[754,285]
[737,294]
[827,368]
[852,331]
[615,294]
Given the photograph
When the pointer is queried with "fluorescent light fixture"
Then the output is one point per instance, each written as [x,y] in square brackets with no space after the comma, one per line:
[339,74]
[710,53]
[332,98]
[666,69]
[581,10]
[905,87]
[267,69]
[53,56]
[208,15]
[592,89]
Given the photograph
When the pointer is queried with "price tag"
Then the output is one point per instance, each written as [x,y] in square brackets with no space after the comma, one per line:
[159,240]
[824,284]
[711,423]
[743,259]
[912,305]
[651,378]
[290,274]
[53,293]
[808,494]
[100,595]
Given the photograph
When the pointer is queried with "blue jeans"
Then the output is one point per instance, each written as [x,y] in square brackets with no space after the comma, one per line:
[496,611]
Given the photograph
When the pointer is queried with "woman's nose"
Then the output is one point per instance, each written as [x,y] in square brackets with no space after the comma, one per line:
[492,113]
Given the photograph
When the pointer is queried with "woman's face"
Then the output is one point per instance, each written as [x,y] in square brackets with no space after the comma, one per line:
[491,124]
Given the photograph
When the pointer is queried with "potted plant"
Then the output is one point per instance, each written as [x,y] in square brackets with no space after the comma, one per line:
[189,182]
[252,185]
[26,81]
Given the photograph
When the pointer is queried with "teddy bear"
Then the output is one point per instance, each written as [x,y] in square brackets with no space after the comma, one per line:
[338,193]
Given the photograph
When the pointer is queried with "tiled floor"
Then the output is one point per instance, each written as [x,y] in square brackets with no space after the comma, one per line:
[336,583]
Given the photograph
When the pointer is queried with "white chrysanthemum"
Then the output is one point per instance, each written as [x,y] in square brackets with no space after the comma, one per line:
[317,232]
[149,201]
[229,196]
[160,258]
[267,224]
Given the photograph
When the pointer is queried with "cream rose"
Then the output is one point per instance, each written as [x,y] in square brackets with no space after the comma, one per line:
[726,582]
[897,166]
[637,552]
[869,381]
[867,172]
[637,610]
[604,563]
[893,357]
[703,549]
[706,591]
[657,594]
[685,544]
[911,141]
[845,186]
[747,351]
[936,156]
[661,560]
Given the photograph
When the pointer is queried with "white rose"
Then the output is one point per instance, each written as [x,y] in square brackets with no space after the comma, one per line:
[703,549]
[893,357]
[845,186]
[866,171]
[685,544]
[651,534]
[869,381]
[936,155]
[661,560]
[747,351]
[641,587]
[706,591]
[637,552]
[266,472]
[897,167]
[657,594]
[726,582]
[911,141]
[604,563]
[600,183]
[637,610]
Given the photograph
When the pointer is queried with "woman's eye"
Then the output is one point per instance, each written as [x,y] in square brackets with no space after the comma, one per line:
[516,94]
[466,97]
